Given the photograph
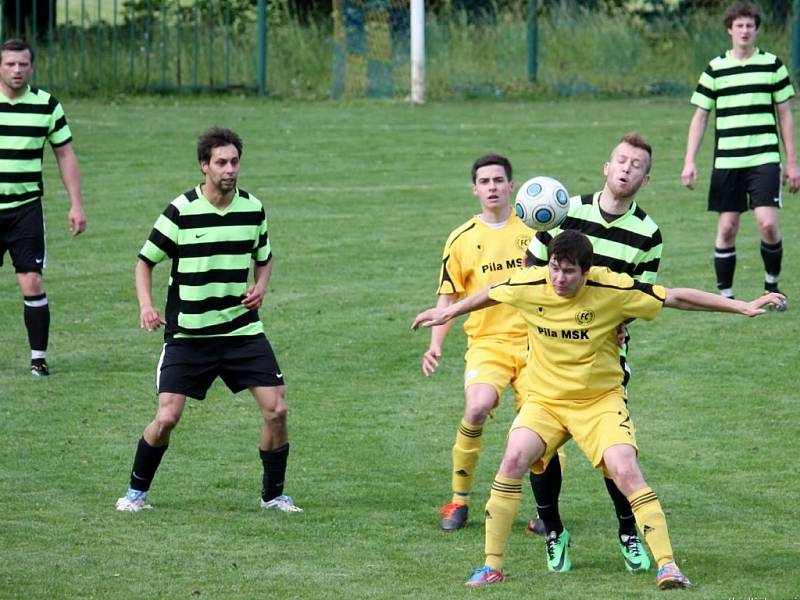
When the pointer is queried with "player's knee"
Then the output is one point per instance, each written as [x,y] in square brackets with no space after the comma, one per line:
[166,421]
[768,229]
[515,463]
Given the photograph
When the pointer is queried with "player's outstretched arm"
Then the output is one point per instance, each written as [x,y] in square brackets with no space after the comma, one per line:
[149,317]
[430,359]
[692,299]
[439,316]
[697,128]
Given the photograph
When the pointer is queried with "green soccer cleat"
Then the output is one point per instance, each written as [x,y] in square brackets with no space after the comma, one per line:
[633,553]
[558,560]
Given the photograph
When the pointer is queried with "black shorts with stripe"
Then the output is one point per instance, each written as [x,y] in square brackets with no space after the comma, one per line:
[22,236]
[731,188]
[190,366]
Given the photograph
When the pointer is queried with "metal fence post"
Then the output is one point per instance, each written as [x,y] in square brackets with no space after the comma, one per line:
[262,47]
[533,39]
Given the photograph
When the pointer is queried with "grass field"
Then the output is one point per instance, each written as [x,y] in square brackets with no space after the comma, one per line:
[361,197]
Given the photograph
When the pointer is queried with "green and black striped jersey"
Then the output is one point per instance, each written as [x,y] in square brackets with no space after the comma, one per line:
[212,252]
[25,124]
[744,94]
[630,244]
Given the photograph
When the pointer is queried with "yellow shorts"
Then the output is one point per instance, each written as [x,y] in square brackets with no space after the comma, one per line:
[498,363]
[595,425]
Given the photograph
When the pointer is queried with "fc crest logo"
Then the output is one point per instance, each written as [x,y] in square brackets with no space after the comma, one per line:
[523,241]
[584,316]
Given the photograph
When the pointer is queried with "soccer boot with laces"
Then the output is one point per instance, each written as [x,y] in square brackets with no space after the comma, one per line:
[669,577]
[634,553]
[483,576]
[454,516]
[133,501]
[282,504]
[557,545]
[39,368]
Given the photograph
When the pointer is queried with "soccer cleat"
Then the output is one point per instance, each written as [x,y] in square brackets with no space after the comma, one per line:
[483,576]
[454,516]
[133,501]
[282,504]
[536,527]
[633,553]
[39,368]
[669,577]
[777,307]
[558,560]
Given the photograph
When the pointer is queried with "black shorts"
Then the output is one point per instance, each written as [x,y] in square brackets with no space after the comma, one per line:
[730,188]
[22,235]
[189,367]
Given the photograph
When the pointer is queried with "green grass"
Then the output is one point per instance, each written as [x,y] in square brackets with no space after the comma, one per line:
[361,197]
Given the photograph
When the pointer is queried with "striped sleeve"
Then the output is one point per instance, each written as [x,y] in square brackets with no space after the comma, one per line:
[262,253]
[782,89]
[58,133]
[162,242]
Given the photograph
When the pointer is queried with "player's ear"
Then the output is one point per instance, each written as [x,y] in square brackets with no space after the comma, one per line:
[605,169]
[645,180]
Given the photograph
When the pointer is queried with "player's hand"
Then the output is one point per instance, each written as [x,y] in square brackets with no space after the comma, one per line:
[430,361]
[429,318]
[760,304]
[689,175]
[792,176]
[76,220]
[150,319]
[622,333]
[253,298]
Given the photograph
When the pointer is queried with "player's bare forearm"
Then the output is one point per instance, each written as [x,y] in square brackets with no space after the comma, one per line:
[149,317]
[791,174]
[70,175]
[692,299]
[439,316]
[697,128]
[254,297]
[430,359]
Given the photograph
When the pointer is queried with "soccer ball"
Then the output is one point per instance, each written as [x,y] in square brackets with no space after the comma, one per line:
[542,203]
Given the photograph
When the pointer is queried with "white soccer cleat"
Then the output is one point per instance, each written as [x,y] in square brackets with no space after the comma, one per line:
[133,501]
[281,503]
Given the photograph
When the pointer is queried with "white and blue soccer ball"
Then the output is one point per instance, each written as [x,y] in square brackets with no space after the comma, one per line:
[542,203]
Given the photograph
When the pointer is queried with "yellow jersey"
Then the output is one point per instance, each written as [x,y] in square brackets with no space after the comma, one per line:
[573,351]
[477,255]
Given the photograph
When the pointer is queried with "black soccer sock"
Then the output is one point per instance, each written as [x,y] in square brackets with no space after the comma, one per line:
[627,522]
[546,489]
[725,265]
[145,464]
[37,321]
[274,462]
[772,255]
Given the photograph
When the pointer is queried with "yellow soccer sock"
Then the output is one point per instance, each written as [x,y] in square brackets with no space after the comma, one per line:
[652,523]
[466,453]
[501,510]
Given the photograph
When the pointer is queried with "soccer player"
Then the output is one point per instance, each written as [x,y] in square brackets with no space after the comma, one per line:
[572,311]
[626,240]
[29,117]
[746,86]
[484,250]
[211,233]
